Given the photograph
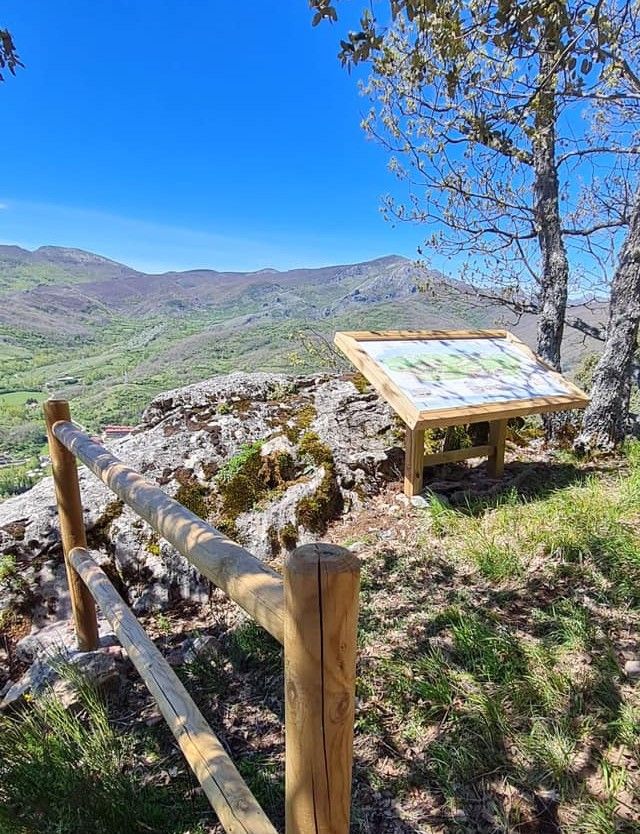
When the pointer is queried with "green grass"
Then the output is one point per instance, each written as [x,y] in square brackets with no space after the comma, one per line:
[20,397]
[490,654]
[586,526]
[73,771]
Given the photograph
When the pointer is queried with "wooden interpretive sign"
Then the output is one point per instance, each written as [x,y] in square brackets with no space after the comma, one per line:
[439,378]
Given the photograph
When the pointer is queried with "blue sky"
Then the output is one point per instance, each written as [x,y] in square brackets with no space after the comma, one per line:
[175,135]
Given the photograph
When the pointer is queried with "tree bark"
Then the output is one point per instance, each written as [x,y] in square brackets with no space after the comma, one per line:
[554,277]
[605,420]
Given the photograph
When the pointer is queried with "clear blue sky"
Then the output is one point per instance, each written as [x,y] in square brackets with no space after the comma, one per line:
[174,135]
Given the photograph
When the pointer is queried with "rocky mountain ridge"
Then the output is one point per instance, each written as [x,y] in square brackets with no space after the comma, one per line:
[52,283]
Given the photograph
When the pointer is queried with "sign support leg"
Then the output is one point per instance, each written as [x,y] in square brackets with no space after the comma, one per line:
[497,437]
[413,461]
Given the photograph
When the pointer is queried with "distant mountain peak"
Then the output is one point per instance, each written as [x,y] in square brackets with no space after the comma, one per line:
[71,254]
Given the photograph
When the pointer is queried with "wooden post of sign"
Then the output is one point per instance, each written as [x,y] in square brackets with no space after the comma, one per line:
[413,461]
[497,437]
[72,532]
[321,613]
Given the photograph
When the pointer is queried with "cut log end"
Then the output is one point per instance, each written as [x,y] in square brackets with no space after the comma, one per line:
[332,558]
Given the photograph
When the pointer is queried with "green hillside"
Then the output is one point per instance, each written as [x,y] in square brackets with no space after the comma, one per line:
[108,338]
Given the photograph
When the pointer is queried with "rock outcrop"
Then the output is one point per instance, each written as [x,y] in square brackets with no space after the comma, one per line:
[268,459]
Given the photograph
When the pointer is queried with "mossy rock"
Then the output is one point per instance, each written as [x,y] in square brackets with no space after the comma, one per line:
[361,383]
[248,477]
[299,422]
[289,536]
[98,536]
[195,497]
[153,545]
[311,446]
[315,511]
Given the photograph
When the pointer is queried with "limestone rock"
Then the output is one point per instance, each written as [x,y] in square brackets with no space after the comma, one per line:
[632,668]
[104,668]
[320,446]
[419,502]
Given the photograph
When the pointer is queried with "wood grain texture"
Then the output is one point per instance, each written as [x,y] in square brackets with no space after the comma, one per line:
[497,439]
[225,789]
[72,531]
[481,413]
[453,455]
[321,589]
[413,461]
[246,580]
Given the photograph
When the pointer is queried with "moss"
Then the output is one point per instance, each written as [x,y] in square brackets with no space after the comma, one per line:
[240,485]
[361,383]
[153,545]
[399,430]
[311,446]
[274,540]
[193,496]
[306,416]
[315,511]
[224,408]
[522,431]
[456,437]
[98,537]
[289,536]
[281,391]
[277,470]
[246,455]
[8,567]
[299,422]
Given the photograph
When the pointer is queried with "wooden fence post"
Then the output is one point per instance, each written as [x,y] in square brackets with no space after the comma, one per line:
[72,532]
[321,615]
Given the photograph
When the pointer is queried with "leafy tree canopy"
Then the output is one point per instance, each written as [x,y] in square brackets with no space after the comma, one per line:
[470,95]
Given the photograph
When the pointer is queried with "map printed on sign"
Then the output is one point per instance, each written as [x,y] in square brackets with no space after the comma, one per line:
[451,373]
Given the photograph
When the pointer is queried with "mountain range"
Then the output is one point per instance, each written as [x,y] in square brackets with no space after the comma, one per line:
[124,335]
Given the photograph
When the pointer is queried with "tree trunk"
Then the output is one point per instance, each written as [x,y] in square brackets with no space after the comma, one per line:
[554,277]
[605,420]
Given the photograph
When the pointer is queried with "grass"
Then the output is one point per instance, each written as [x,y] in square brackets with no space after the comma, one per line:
[490,667]
[20,397]
[586,526]
[71,770]
[491,691]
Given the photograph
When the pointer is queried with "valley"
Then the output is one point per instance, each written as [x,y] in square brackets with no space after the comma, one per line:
[110,338]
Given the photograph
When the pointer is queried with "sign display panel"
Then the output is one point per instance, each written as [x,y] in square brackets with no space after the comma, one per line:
[444,378]
[450,373]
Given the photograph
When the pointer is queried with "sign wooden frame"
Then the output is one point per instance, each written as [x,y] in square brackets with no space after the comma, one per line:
[417,421]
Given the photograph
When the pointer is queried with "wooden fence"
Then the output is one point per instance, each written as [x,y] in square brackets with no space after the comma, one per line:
[312,611]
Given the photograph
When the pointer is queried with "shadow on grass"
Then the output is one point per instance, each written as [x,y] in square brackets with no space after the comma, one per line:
[470,490]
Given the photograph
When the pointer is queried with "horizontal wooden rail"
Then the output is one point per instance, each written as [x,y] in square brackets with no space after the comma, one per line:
[453,455]
[226,790]
[251,584]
